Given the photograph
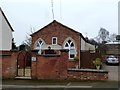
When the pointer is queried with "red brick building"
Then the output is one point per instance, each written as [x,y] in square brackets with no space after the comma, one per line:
[113,48]
[58,36]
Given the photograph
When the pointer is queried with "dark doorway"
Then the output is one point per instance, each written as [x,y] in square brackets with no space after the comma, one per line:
[24,64]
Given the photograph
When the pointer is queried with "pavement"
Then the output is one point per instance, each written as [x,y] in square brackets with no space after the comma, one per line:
[57,85]
[44,86]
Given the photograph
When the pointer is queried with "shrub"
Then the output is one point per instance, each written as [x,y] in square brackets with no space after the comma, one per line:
[76,58]
[97,62]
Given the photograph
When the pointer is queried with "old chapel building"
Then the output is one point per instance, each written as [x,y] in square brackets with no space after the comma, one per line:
[58,36]
[55,47]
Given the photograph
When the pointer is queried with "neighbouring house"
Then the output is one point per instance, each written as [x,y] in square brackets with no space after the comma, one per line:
[5,33]
[58,36]
[113,47]
[5,43]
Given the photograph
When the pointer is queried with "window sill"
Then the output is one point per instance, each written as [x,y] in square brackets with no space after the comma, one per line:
[71,60]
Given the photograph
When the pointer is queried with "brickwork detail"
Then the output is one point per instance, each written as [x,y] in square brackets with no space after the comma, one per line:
[8,64]
[47,67]
[56,29]
[87,75]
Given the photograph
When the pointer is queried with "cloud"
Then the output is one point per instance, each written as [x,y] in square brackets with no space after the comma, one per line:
[81,15]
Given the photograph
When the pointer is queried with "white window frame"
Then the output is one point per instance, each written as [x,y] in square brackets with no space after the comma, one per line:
[52,40]
[70,48]
[40,45]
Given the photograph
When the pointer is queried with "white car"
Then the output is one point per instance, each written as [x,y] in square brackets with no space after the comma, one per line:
[111,59]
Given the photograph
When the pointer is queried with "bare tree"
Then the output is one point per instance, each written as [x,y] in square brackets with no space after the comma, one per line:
[113,37]
[14,47]
[28,41]
[103,36]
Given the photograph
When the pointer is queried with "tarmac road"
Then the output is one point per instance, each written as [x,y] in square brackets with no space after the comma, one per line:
[113,72]
[56,87]
[38,85]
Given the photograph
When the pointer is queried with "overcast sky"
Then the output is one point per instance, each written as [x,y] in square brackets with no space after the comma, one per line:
[85,16]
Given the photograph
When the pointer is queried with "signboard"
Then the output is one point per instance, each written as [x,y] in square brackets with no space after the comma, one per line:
[33,58]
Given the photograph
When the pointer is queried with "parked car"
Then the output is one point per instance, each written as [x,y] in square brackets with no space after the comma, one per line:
[111,59]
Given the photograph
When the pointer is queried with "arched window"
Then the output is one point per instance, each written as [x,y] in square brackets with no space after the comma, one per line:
[39,45]
[71,47]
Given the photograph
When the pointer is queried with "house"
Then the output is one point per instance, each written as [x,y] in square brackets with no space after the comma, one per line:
[5,33]
[113,48]
[58,36]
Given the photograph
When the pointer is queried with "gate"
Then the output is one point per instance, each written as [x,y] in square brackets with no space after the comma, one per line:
[24,64]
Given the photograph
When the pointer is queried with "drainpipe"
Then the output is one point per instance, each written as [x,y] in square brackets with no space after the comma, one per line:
[79,59]
[79,53]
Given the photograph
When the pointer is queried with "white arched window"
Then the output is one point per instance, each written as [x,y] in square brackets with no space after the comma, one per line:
[39,45]
[71,47]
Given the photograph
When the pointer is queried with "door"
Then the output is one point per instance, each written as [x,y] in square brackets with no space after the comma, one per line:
[24,64]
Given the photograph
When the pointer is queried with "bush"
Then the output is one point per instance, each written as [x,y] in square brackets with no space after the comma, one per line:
[76,58]
[97,62]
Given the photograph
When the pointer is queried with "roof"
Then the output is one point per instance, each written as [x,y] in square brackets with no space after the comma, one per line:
[6,19]
[114,42]
[54,21]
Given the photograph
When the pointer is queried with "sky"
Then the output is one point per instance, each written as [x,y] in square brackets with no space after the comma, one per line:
[84,16]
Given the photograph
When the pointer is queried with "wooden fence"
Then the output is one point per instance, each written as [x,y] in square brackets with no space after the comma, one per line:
[87,58]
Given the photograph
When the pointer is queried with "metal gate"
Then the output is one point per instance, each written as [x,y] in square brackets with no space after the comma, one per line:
[24,64]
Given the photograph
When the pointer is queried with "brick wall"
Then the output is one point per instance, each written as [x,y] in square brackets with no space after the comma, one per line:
[73,64]
[87,75]
[0,66]
[56,67]
[50,67]
[113,49]
[8,60]
[87,59]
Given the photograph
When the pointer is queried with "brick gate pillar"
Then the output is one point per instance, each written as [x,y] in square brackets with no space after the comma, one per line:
[63,62]
[34,66]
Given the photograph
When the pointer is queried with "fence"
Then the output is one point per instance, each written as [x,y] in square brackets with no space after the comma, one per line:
[87,58]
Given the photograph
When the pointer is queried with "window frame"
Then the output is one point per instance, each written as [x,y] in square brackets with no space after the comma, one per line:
[39,45]
[70,48]
[53,40]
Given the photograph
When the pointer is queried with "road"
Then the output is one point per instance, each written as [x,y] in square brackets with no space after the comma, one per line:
[54,87]
[113,71]
[39,85]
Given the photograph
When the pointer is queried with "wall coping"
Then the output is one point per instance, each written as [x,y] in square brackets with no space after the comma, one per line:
[49,55]
[1,55]
[87,70]
[64,50]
